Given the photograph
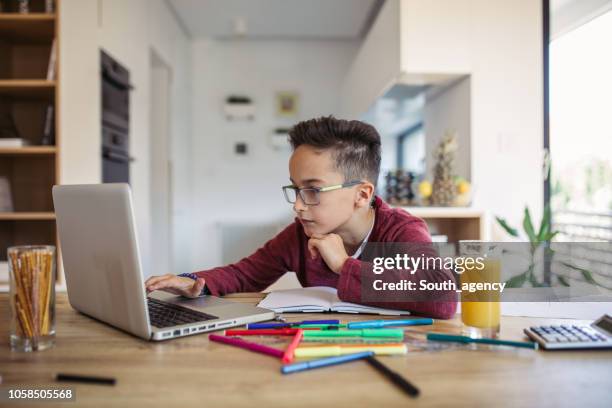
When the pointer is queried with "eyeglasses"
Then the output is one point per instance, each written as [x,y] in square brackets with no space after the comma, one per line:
[310,195]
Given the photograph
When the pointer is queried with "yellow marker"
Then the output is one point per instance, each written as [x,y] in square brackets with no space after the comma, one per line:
[339,350]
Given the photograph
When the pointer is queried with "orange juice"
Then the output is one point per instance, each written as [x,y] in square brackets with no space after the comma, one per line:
[480,310]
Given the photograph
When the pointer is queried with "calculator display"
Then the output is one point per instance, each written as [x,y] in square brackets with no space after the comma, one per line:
[604,323]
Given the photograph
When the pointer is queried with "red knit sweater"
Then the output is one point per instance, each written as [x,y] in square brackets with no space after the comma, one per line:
[283,252]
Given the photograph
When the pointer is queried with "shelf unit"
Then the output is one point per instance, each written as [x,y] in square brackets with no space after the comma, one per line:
[26,41]
[457,223]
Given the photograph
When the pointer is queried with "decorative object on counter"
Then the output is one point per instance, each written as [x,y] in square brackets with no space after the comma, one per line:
[32,297]
[464,192]
[425,190]
[399,187]
[6,199]
[239,107]
[287,103]
[444,188]
[24,6]
[278,139]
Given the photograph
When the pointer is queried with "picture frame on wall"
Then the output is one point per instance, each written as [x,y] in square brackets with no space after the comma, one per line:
[287,103]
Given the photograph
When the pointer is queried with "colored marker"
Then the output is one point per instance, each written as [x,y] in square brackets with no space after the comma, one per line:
[324,362]
[356,333]
[343,349]
[247,345]
[465,339]
[373,324]
[290,351]
[394,377]
[88,379]
[264,332]
[289,324]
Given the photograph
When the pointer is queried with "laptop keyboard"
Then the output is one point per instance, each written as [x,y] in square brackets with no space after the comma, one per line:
[162,314]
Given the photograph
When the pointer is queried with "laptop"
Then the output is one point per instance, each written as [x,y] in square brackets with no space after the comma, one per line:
[104,276]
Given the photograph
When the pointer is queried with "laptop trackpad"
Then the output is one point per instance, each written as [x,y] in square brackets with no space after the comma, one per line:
[197,303]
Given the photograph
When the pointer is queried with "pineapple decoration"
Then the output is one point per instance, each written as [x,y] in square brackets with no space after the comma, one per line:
[444,189]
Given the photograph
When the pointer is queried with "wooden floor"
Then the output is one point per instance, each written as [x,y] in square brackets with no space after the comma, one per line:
[195,372]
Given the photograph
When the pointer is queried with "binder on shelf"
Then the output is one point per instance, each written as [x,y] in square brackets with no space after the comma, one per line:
[48,138]
[52,61]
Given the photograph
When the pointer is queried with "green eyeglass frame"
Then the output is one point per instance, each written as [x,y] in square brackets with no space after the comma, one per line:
[310,195]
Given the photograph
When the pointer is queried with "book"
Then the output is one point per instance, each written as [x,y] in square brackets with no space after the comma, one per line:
[318,299]
[13,142]
[6,200]
[52,61]
[48,138]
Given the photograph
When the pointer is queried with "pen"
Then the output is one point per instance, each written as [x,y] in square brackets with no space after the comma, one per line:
[290,351]
[85,379]
[394,377]
[324,362]
[465,339]
[343,349]
[371,324]
[355,333]
[257,348]
[263,332]
[289,324]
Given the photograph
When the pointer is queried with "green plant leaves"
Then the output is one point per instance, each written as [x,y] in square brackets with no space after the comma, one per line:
[528,226]
[502,222]
[516,281]
[563,280]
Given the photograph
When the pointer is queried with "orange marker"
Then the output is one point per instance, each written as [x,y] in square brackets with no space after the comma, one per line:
[290,351]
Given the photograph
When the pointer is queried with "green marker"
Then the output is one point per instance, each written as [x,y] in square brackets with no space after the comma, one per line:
[465,339]
[356,333]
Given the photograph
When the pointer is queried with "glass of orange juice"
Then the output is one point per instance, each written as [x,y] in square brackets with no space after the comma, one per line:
[480,309]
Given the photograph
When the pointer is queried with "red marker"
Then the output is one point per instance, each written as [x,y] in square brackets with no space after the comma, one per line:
[290,351]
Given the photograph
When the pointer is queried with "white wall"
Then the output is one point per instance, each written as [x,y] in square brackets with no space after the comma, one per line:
[498,43]
[128,31]
[246,190]
[448,110]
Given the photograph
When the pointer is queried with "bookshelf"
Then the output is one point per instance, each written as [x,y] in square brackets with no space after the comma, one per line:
[26,93]
[457,223]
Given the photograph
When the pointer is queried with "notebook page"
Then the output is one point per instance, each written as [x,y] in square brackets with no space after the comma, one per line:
[313,299]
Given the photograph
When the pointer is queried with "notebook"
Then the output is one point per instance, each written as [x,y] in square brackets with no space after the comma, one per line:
[318,299]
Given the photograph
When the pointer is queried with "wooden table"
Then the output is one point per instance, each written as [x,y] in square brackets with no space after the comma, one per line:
[192,371]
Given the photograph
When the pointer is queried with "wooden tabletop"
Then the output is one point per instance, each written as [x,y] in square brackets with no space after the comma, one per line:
[192,371]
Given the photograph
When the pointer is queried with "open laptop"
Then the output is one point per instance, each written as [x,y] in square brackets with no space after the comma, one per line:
[104,276]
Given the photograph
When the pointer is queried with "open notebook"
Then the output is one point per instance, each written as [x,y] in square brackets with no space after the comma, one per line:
[318,299]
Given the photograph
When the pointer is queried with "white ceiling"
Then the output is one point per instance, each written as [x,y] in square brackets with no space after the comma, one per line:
[276,19]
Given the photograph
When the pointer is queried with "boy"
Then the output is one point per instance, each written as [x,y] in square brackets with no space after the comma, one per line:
[333,171]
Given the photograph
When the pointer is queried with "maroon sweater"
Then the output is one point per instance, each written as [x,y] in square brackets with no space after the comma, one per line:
[288,252]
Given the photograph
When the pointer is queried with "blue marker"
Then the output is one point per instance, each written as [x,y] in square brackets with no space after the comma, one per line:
[376,324]
[324,362]
[288,324]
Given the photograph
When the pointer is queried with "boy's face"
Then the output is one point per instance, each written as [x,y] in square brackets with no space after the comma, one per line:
[312,167]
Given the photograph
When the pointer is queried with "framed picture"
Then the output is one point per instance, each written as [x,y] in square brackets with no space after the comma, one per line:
[286,103]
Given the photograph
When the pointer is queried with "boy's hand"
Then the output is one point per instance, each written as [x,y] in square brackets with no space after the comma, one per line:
[177,285]
[331,249]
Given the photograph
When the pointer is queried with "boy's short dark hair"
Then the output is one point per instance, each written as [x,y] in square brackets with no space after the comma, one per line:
[355,145]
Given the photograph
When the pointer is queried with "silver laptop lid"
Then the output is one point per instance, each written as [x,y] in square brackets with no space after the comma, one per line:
[100,254]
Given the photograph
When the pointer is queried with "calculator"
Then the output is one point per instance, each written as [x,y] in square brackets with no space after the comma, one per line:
[597,335]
